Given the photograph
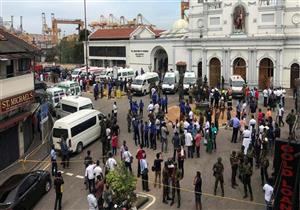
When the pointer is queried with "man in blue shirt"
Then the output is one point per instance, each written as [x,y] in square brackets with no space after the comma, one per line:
[152,136]
[146,135]
[236,126]
[141,105]
[136,133]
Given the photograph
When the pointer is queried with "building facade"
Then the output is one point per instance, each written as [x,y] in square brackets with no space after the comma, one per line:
[257,39]
[17,108]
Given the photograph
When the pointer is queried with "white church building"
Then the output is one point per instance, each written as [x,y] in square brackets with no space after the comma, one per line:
[257,39]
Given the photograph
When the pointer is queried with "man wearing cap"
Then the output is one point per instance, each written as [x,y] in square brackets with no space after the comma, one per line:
[218,170]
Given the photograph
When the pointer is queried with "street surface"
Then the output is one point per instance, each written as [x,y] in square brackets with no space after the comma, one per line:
[74,196]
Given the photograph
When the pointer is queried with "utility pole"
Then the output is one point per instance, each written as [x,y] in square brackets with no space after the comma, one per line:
[85,37]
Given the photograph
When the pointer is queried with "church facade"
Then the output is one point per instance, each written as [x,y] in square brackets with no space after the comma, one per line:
[257,39]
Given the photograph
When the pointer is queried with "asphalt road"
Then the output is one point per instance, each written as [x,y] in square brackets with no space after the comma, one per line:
[74,196]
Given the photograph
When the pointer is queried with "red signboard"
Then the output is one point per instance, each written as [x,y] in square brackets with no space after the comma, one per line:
[16,101]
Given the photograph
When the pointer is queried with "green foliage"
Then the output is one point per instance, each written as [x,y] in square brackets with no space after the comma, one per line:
[123,185]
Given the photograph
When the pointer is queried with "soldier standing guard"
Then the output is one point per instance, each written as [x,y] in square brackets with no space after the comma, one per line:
[234,161]
[176,177]
[247,173]
[218,170]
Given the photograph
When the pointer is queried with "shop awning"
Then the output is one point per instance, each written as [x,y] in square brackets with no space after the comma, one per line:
[5,124]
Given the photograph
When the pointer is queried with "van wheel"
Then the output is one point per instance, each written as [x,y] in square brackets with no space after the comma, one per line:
[79,147]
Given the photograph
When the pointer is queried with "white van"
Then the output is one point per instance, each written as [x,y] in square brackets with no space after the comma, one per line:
[237,83]
[189,80]
[105,74]
[55,94]
[79,129]
[70,88]
[71,104]
[76,73]
[123,74]
[170,82]
[143,83]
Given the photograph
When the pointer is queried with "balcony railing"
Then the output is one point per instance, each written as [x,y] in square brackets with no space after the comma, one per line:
[17,83]
[268,2]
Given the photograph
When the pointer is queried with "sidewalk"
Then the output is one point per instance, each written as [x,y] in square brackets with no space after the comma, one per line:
[37,151]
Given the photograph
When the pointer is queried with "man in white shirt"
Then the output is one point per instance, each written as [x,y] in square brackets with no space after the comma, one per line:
[246,139]
[98,169]
[127,157]
[115,110]
[280,115]
[111,163]
[92,201]
[189,143]
[268,189]
[265,94]
[150,107]
[191,116]
[89,174]
[186,124]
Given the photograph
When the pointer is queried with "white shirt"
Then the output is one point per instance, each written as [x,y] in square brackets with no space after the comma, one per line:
[89,171]
[115,108]
[252,122]
[156,108]
[207,125]
[111,163]
[186,124]
[126,156]
[246,139]
[97,171]
[92,201]
[265,93]
[108,132]
[150,107]
[280,112]
[268,192]
[191,115]
[188,139]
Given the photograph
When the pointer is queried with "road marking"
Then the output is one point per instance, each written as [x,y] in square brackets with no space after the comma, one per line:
[80,177]
[69,174]
[151,203]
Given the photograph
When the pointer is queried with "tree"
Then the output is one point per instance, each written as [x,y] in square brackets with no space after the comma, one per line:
[123,185]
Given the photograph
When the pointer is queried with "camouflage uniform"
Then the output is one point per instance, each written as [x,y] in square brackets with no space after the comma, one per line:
[234,161]
[247,173]
[176,186]
[218,170]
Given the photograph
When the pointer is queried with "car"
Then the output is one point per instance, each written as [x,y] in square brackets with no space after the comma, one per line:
[23,191]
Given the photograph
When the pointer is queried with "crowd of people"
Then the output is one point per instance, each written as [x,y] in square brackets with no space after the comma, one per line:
[254,127]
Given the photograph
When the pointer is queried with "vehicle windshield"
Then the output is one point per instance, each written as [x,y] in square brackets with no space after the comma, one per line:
[88,106]
[237,83]
[137,82]
[169,80]
[189,80]
[103,73]
[58,133]
[75,72]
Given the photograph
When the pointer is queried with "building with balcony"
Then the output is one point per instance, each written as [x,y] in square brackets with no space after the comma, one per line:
[18,120]
[257,39]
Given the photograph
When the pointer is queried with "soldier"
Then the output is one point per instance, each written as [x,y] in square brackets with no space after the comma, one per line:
[129,121]
[247,173]
[165,181]
[240,156]
[176,177]
[250,154]
[264,164]
[218,170]
[234,161]
[103,138]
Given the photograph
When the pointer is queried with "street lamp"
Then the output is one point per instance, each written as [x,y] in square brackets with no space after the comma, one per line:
[85,39]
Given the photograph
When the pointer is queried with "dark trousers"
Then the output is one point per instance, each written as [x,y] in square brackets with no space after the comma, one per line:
[247,185]
[152,141]
[65,160]
[54,167]
[214,143]
[91,184]
[136,137]
[128,166]
[233,175]
[235,132]
[176,189]
[264,175]
[146,137]
[165,192]
[181,166]
[265,101]
[145,181]
[280,121]
[220,179]
[198,151]
[190,151]
[58,198]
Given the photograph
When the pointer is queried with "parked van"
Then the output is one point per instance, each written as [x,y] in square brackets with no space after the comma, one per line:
[76,73]
[143,83]
[79,129]
[170,82]
[70,88]
[71,104]
[55,94]
[237,83]
[189,80]
[105,74]
[123,74]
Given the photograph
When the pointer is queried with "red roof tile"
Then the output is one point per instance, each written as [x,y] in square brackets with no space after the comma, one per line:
[109,34]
